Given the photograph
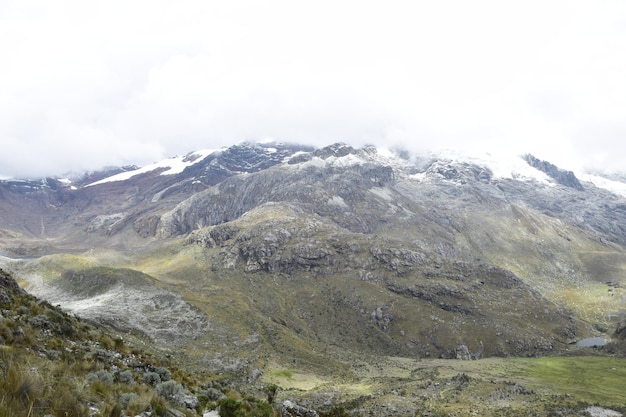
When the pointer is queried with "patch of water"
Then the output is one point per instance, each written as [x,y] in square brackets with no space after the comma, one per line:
[592,341]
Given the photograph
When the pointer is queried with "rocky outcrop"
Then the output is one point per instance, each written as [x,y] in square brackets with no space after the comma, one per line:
[620,330]
[463,353]
[8,283]
[383,317]
[563,177]
[459,172]
[290,409]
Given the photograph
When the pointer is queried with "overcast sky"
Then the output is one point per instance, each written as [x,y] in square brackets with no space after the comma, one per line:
[85,84]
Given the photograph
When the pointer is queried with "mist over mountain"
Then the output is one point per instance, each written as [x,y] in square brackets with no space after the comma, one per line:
[266,255]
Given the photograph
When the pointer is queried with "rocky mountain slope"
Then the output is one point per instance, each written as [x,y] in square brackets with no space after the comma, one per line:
[269,255]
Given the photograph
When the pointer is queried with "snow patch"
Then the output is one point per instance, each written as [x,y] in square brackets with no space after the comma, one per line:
[379,156]
[383,193]
[616,187]
[338,202]
[315,162]
[170,166]
[502,165]
[344,161]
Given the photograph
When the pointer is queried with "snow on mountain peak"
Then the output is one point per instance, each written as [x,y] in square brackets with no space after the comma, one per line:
[614,186]
[171,166]
[342,155]
[502,165]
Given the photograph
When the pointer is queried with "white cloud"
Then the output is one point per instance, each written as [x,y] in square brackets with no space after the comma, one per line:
[85,84]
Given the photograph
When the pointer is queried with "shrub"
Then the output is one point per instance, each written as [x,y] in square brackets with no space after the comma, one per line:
[164,373]
[213,394]
[106,341]
[125,377]
[101,376]
[270,391]
[151,378]
[158,406]
[229,407]
[67,329]
[128,398]
[6,334]
[41,322]
[136,402]
[171,391]
[104,355]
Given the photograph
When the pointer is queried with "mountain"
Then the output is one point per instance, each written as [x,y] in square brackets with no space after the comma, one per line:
[264,257]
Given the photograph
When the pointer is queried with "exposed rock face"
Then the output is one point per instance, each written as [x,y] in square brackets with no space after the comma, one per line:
[561,176]
[463,353]
[620,330]
[8,282]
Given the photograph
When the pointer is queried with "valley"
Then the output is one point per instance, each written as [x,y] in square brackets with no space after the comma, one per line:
[356,281]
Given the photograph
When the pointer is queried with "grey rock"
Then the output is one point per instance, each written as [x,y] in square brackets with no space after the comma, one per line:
[4,298]
[463,353]
[561,176]
[8,282]
[191,401]
[290,409]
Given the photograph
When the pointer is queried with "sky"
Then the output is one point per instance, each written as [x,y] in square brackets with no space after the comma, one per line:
[86,84]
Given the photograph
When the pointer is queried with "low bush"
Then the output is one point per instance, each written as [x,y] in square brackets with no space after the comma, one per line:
[164,373]
[125,377]
[128,398]
[101,376]
[229,407]
[151,378]
[171,391]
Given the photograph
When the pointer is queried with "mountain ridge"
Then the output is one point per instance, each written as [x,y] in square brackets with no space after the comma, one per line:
[301,214]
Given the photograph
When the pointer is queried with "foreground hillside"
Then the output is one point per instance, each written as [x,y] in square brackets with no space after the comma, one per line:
[55,364]
[343,276]
[52,363]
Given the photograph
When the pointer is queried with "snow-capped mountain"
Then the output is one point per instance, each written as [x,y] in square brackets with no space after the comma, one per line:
[507,252]
[145,195]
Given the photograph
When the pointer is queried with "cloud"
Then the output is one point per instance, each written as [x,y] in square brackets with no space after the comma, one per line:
[89,84]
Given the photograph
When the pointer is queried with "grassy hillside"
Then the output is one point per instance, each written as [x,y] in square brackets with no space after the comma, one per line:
[53,363]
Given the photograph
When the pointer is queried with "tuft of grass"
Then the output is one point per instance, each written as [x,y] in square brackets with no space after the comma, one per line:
[21,390]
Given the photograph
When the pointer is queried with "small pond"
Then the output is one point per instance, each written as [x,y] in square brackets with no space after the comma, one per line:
[592,341]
